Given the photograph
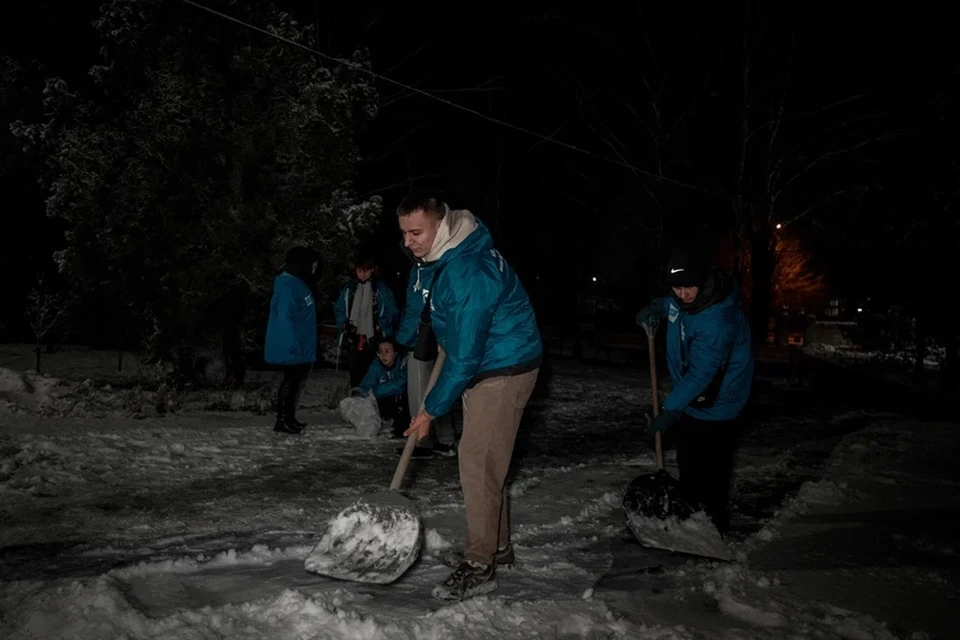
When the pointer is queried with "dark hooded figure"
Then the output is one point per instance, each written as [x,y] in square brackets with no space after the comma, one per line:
[291,340]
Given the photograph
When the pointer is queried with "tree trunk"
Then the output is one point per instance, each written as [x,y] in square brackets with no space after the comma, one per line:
[498,174]
[38,351]
[920,336]
[761,272]
[233,362]
[950,374]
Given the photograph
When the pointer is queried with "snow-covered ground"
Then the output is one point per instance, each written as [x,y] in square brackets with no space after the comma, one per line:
[904,359]
[119,522]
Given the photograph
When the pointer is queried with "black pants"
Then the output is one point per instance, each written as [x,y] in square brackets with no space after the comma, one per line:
[358,362]
[293,377]
[396,409]
[705,457]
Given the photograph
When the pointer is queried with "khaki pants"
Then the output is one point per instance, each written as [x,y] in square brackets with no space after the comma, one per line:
[491,415]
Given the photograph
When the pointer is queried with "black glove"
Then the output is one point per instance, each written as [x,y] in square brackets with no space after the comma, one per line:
[651,315]
[663,421]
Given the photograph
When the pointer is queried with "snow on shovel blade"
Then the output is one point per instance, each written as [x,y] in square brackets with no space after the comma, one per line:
[376,539]
[659,516]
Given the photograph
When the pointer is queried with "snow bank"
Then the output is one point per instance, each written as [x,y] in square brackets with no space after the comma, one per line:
[99,609]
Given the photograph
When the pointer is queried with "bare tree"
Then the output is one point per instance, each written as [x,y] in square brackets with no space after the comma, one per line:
[785,148]
[45,311]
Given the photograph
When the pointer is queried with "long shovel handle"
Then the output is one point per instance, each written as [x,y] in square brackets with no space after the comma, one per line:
[412,438]
[652,349]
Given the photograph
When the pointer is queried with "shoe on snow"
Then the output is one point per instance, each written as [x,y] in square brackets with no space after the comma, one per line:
[468,580]
[282,426]
[502,559]
[444,450]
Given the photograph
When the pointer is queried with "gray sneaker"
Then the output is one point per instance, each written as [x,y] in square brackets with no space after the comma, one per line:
[502,559]
[470,579]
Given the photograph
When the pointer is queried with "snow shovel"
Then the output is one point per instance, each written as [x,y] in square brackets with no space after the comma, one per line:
[377,538]
[658,514]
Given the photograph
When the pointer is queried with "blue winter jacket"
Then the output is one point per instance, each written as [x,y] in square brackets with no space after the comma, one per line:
[386,383]
[292,327]
[482,318]
[418,284]
[698,345]
[387,309]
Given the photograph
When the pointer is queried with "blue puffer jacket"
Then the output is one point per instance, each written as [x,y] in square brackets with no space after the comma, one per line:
[292,327]
[386,383]
[698,344]
[481,314]
[387,309]
[418,284]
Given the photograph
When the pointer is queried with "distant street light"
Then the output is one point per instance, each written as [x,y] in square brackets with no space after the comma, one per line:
[594,278]
[779,225]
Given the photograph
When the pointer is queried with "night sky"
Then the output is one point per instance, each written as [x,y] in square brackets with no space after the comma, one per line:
[579,76]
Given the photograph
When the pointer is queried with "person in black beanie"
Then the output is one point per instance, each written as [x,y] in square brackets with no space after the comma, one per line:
[710,359]
[291,340]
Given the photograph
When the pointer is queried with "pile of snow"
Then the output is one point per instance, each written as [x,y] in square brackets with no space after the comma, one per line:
[99,609]
[29,392]
[854,355]
[32,392]
[810,493]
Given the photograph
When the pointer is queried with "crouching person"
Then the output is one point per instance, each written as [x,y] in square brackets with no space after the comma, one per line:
[386,380]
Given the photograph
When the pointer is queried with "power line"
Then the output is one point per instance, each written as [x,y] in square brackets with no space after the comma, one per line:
[449,103]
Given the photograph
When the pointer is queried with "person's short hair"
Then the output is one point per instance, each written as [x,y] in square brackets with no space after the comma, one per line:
[365,261]
[431,206]
[389,340]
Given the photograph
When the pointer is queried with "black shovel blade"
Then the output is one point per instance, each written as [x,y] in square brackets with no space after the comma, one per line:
[660,516]
[375,540]
[657,495]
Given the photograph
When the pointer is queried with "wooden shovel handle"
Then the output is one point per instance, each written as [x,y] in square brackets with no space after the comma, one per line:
[412,438]
[652,349]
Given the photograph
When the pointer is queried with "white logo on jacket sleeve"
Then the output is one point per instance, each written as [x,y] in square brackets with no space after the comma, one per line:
[673,313]
[501,263]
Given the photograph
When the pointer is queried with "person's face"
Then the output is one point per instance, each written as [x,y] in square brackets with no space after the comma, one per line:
[387,354]
[364,274]
[686,294]
[419,231]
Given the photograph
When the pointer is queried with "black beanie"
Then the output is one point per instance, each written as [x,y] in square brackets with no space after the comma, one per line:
[685,269]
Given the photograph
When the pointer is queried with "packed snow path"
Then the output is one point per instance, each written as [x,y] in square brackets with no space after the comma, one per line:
[195,525]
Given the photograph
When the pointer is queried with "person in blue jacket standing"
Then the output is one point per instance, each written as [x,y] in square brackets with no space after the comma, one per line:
[291,340]
[386,380]
[486,328]
[710,359]
[365,311]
